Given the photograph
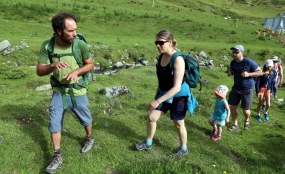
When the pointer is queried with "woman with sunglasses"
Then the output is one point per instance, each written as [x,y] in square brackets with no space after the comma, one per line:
[172,93]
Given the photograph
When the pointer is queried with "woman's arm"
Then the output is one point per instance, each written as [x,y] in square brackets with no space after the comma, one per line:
[178,68]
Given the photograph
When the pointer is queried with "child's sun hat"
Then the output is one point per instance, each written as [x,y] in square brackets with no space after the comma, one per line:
[221,91]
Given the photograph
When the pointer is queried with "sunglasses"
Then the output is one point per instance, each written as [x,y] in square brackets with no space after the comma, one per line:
[235,52]
[160,42]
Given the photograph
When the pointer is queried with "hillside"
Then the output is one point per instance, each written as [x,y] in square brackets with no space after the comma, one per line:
[198,25]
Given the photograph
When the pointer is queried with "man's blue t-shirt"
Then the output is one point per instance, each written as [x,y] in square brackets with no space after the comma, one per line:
[248,65]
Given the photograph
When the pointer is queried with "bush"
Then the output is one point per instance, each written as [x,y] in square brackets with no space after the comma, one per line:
[264,53]
[104,64]
[16,73]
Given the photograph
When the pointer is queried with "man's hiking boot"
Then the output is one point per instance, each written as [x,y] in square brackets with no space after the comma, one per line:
[55,164]
[87,144]
[179,151]
[143,146]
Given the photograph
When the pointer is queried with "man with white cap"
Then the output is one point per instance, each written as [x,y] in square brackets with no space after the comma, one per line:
[243,69]
[278,72]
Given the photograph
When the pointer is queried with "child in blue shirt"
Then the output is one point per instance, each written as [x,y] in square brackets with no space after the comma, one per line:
[221,113]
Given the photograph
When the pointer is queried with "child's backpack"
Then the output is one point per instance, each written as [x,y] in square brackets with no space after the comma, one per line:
[192,70]
[86,78]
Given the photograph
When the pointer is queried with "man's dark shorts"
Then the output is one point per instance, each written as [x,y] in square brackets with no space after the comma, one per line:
[177,108]
[245,96]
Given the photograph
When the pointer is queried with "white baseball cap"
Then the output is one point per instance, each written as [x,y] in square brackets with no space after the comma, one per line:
[268,63]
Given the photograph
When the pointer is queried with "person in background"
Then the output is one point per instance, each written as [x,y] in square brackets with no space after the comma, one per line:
[221,114]
[244,70]
[172,93]
[278,72]
[66,70]
[278,79]
[263,86]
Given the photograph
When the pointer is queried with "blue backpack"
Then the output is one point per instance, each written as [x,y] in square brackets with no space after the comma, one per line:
[192,70]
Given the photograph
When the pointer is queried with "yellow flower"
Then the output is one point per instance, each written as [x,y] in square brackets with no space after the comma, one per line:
[224,172]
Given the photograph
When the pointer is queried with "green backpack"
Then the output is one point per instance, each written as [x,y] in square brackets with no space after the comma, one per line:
[86,78]
[192,69]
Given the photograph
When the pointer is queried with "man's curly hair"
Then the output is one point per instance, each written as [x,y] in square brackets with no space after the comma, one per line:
[58,21]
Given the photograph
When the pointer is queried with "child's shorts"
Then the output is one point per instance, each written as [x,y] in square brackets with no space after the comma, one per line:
[218,122]
[264,91]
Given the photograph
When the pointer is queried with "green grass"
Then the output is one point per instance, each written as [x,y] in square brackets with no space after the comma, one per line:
[130,29]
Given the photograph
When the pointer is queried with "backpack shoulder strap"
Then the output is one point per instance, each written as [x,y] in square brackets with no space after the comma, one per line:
[159,58]
[50,47]
[76,51]
[173,58]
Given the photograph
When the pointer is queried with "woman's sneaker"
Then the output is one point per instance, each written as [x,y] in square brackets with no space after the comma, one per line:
[179,151]
[143,146]
[55,164]
[258,118]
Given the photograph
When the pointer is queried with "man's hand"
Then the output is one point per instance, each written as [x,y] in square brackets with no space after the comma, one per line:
[230,73]
[244,74]
[72,76]
[60,65]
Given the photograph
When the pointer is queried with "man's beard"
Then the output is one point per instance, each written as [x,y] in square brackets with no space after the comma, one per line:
[63,38]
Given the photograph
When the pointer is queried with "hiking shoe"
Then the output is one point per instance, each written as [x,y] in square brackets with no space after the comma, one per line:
[87,145]
[55,164]
[233,128]
[258,118]
[179,151]
[263,107]
[143,146]
[216,137]
[266,117]
[215,131]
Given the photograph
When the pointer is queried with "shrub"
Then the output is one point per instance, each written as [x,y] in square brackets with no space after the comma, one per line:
[104,64]
[16,73]
[264,53]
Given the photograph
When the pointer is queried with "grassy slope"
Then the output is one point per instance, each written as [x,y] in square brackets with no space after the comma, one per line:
[26,145]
